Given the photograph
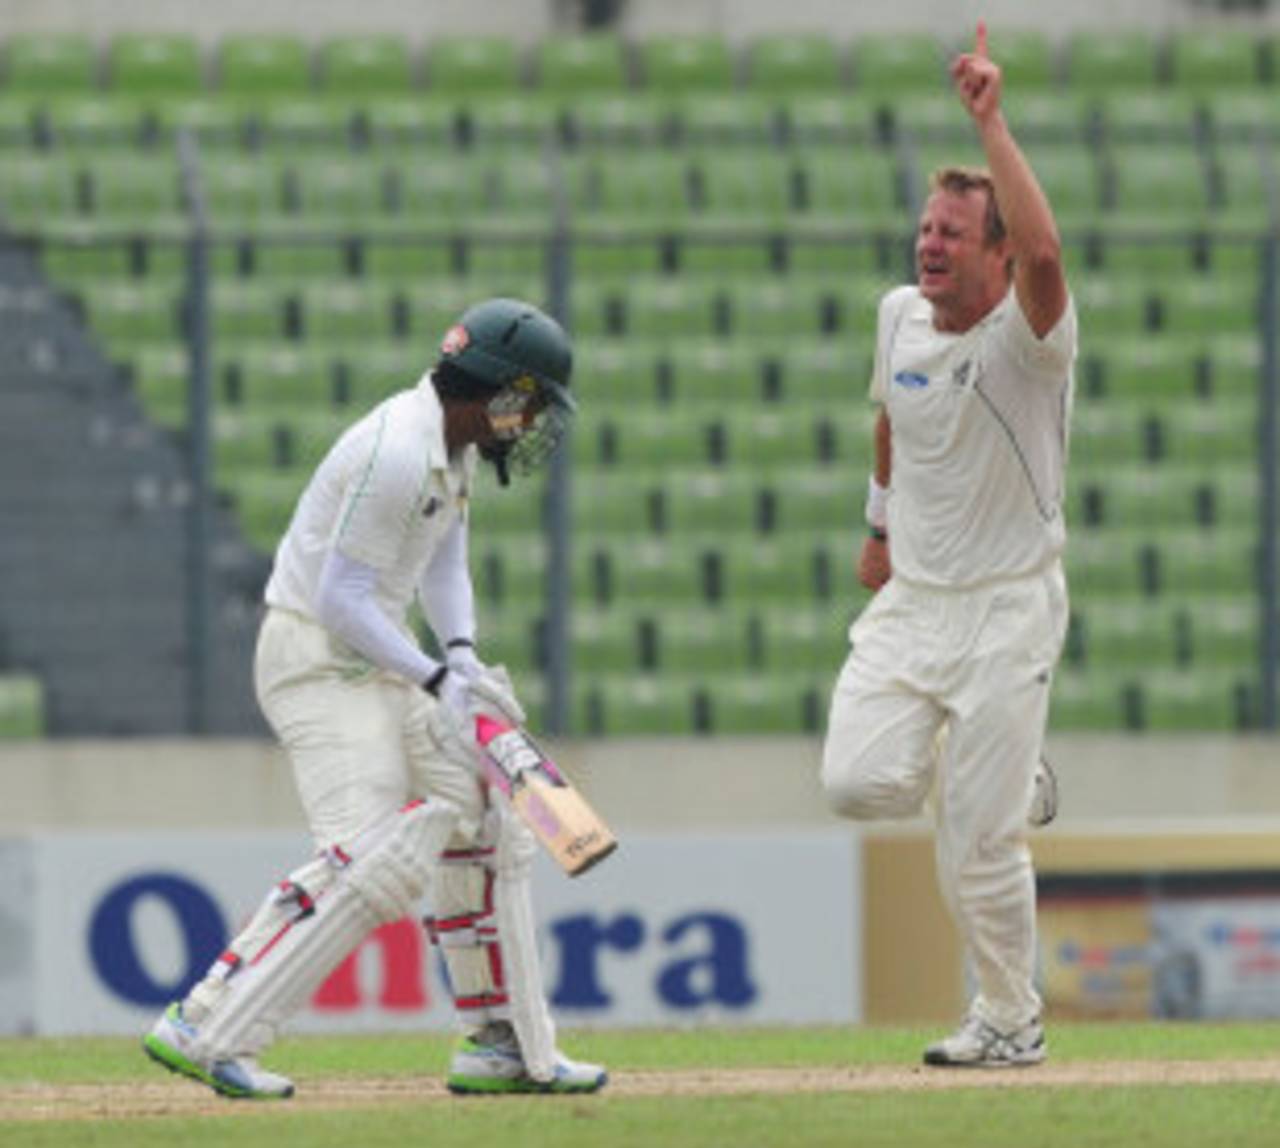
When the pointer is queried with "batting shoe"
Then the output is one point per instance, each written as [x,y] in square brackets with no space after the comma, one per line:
[489,1062]
[1044,801]
[170,1043]
[976,1044]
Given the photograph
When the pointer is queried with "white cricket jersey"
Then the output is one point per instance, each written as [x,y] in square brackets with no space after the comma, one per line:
[384,495]
[980,426]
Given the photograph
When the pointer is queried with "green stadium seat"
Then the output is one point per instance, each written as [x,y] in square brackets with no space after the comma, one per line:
[855,187]
[219,124]
[705,641]
[263,65]
[143,190]
[431,307]
[806,638]
[577,65]
[1147,116]
[712,372]
[400,250]
[668,308]
[332,187]
[671,64]
[39,188]
[19,115]
[794,63]
[1114,305]
[365,65]
[248,311]
[729,117]
[886,64]
[155,63]
[1131,634]
[1225,632]
[511,637]
[744,186]
[750,704]
[818,498]
[1102,563]
[719,501]
[522,122]
[394,123]
[1209,304]
[1027,58]
[1124,369]
[631,187]
[1070,177]
[1211,59]
[469,65]
[640,437]
[50,63]
[635,118]
[844,120]
[95,125]
[928,114]
[613,374]
[614,503]
[1209,435]
[364,376]
[637,571]
[160,373]
[1107,432]
[782,306]
[304,122]
[440,193]
[244,190]
[605,642]
[826,373]
[1239,115]
[510,569]
[1196,562]
[22,707]
[1169,182]
[263,502]
[1192,700]
[770,571]
[125,312]
[1246,195]
[275,379]
[337,310]
[628,705]
[776,437]
[727,246]
[1101,61]
[1092,701]
[1046,117]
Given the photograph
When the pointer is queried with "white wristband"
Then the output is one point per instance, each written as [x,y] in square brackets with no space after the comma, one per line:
[877,504]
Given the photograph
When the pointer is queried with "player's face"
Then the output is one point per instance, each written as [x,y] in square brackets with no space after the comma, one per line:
[956,269]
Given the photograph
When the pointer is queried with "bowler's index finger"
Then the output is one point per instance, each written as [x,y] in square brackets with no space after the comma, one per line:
[981,47]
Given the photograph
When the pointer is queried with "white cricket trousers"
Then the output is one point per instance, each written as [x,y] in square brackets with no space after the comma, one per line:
[980,662]
[361,742]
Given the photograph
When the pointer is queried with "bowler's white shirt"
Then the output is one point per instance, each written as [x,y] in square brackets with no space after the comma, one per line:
[980,429]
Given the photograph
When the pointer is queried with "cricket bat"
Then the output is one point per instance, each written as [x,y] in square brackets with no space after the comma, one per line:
[568,828]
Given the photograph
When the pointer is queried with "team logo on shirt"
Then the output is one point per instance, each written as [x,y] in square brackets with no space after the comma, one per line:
[456,340]
[913,379]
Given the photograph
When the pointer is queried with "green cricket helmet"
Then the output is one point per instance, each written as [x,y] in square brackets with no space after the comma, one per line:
[518,360]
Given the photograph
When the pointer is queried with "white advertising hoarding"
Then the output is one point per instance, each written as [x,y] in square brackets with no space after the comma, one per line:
[676,930]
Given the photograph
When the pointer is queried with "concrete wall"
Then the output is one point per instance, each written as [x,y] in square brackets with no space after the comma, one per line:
[640,784]
[528,20]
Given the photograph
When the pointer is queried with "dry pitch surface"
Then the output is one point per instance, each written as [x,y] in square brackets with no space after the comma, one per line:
[174,1097]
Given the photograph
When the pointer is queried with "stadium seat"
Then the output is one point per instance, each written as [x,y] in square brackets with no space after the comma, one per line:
[1238,115]
[143,190]
[828,374]
[1225,632]
[248,311]
[928,114]
[375,65]
[750,704]
[1101,61]
[709,642]
[782,306]
[218,124]
[607,642]
[715,372]
[637,572]
[630,188]
[1194,562]
[726,246]
[669,308]
[794,63]
[627,705]
[470,65]
[805,638]
[276,379]
[1061,115]
[1115,305]
[38,188]
[640,438]
[1209,59]
[854,187]
[777,571]
[332,190]
[885,64]
[574,65]
[50,63]
[125,312]
[244,190]
[1168,182]
[304,123]
[95,125]
[22,706]
[1208,304]
[394,123]
[155,64]
[1027,58]
[637,118]
[846,119]
[699,118]
[1092,700]
[335,311]
[1208,435]
[1147,116]
[1131,634]
[673,64]
[522,122]
[710,501]
[263,66]
[1246,195]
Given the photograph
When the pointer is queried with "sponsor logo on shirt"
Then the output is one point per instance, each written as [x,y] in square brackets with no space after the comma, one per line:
[911,379]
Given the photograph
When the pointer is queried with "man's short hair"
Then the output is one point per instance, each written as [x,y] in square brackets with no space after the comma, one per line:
[960,180]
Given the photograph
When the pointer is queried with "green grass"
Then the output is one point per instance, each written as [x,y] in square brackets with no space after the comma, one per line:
[1244,1115]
